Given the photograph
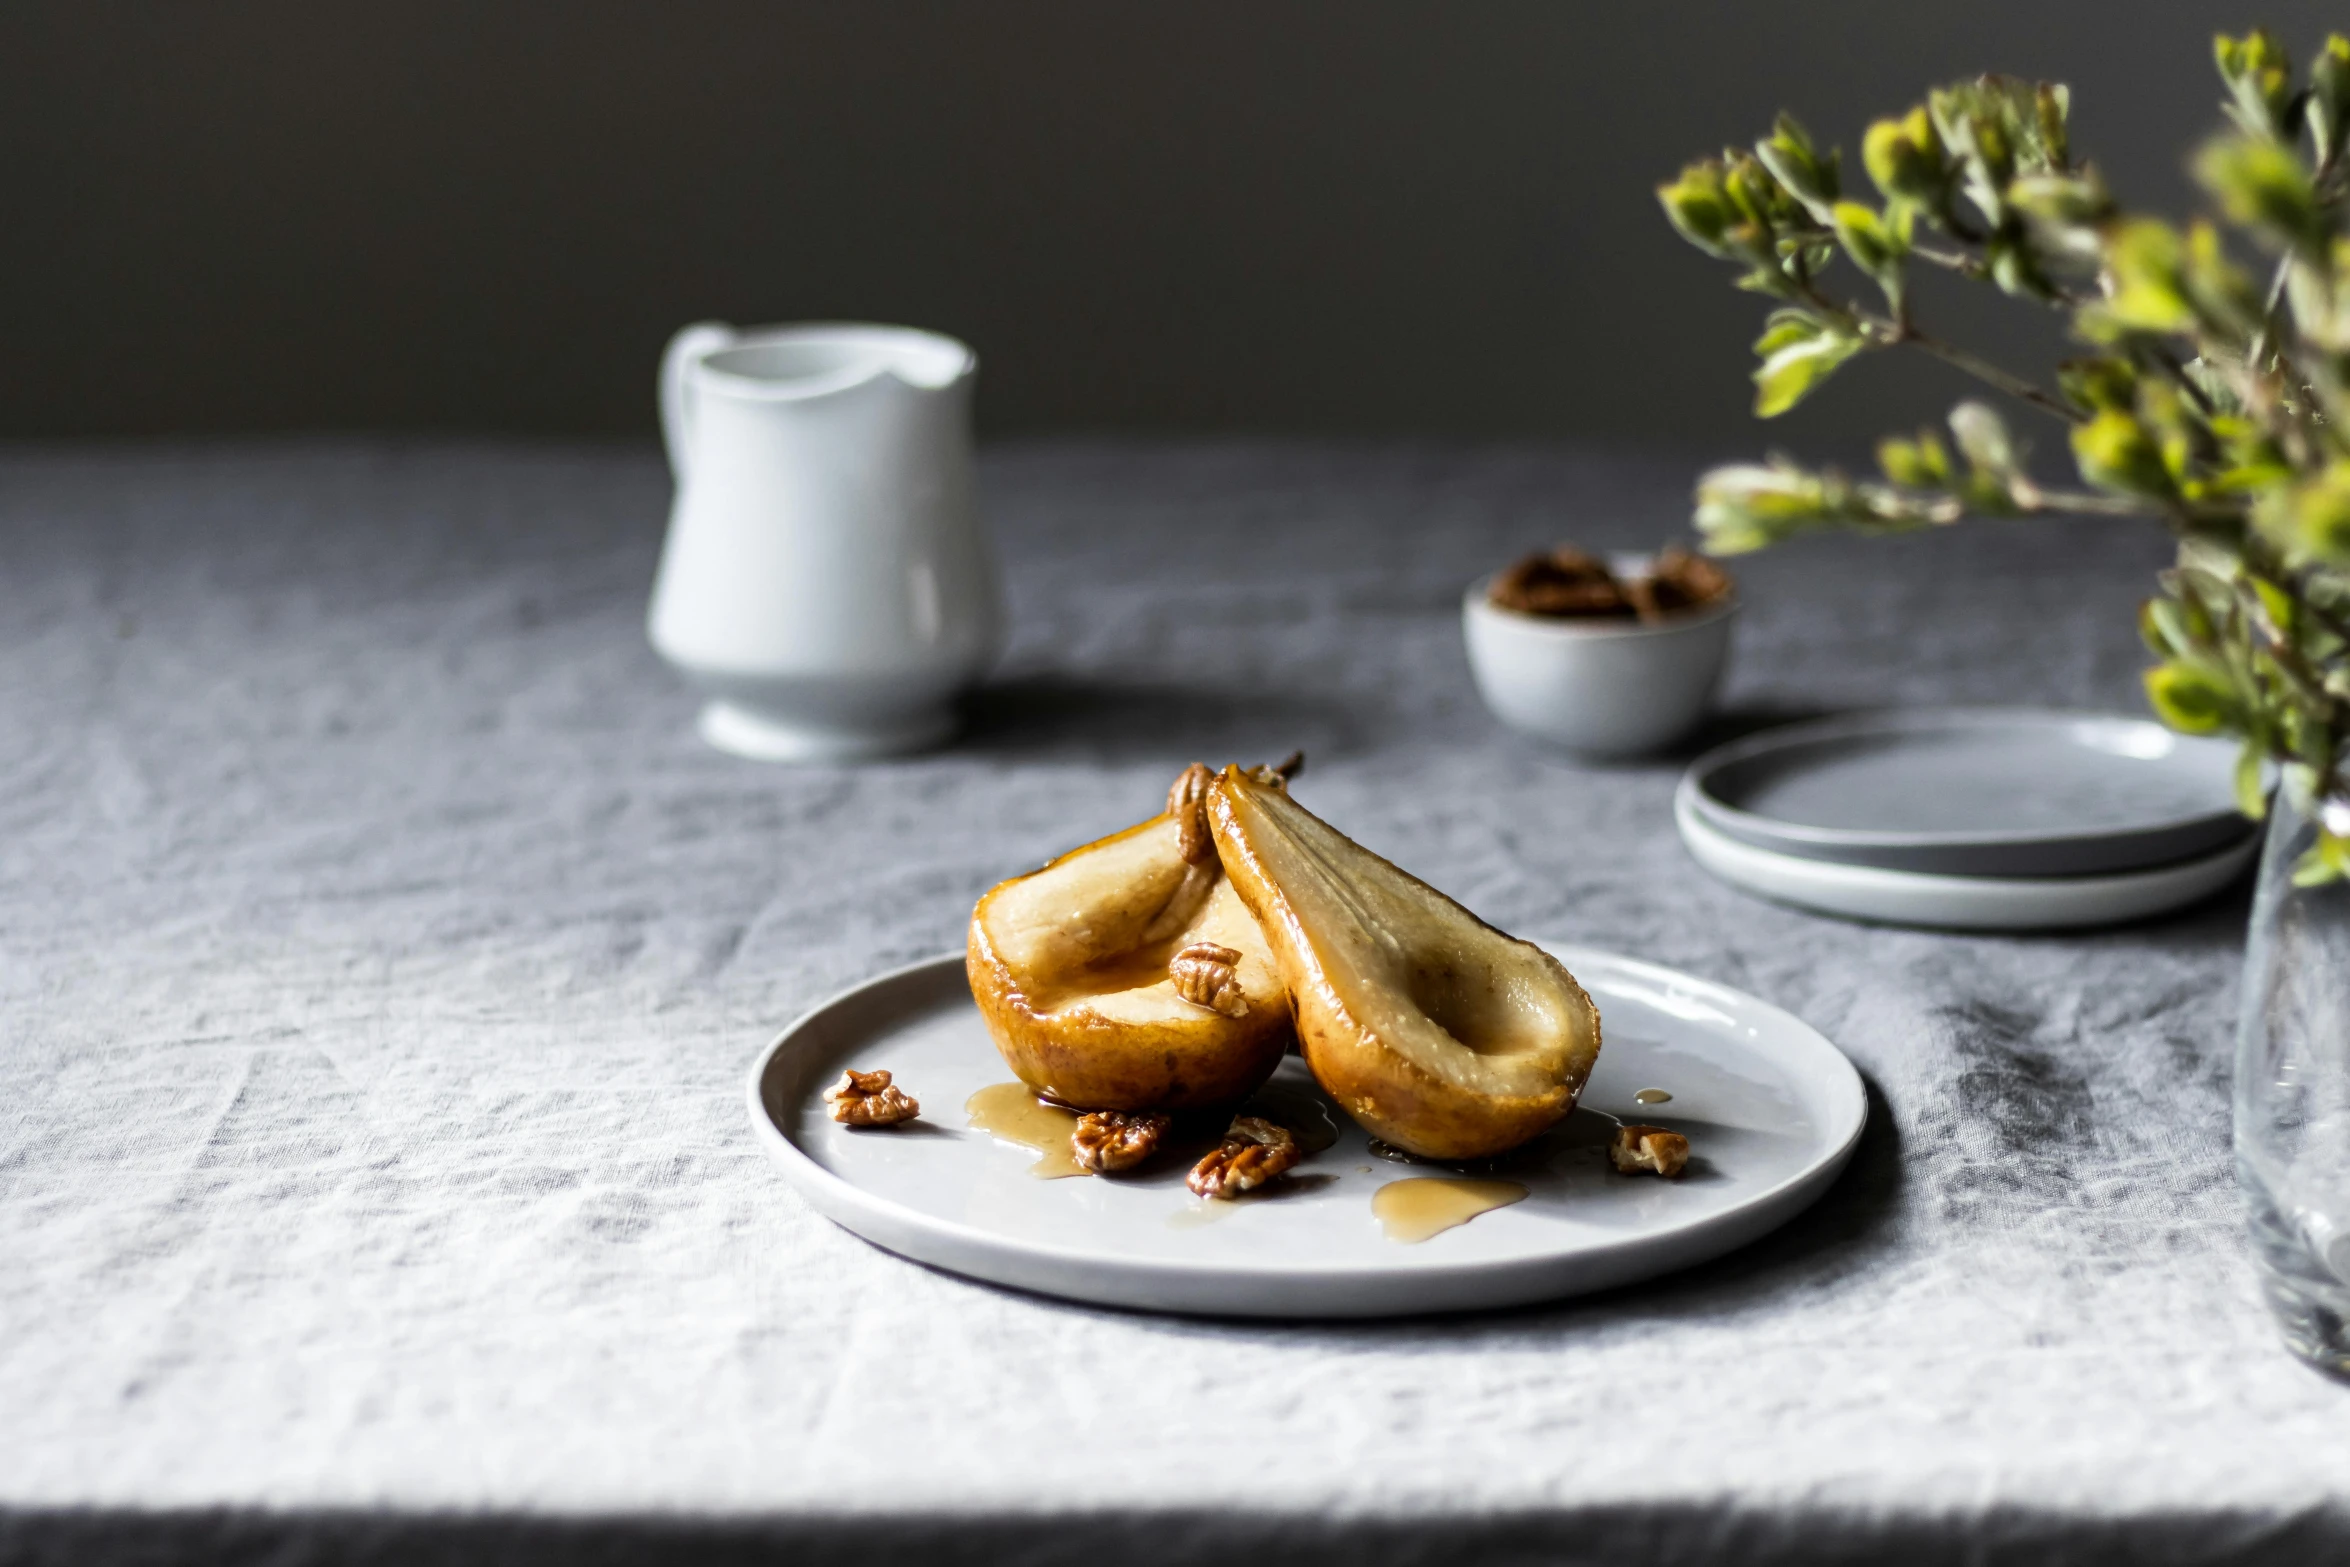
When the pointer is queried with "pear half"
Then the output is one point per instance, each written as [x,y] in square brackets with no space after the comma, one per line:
[1437,1032]
[1085,972]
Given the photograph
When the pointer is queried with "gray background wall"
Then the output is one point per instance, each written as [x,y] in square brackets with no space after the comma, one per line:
[1369,218]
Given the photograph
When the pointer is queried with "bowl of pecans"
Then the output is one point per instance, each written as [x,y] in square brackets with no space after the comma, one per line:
[1612,656]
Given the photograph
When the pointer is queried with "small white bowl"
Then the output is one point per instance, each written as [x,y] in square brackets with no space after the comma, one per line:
[1596,687]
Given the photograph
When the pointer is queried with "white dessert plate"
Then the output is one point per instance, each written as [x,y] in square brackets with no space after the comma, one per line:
[2008,792]
[1770,1108]
[1889,897]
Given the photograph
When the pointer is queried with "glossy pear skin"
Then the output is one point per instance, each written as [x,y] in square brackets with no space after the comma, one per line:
[1437,1032]
[1069,967]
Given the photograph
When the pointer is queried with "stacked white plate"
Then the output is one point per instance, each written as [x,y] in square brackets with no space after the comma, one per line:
[1971,818]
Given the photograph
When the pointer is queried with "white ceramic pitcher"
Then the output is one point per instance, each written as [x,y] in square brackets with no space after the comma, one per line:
[826,582]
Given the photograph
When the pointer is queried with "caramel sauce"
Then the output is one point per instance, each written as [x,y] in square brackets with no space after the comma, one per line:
[1652,1096]
[1012,1113]
[1422,1206]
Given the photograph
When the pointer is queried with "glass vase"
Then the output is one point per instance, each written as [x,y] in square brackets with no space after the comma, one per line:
[2293,1094]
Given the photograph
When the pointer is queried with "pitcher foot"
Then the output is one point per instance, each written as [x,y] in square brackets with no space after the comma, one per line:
[762,737]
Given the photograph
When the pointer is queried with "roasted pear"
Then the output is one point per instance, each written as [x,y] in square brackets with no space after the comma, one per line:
[1127,975]
[1437,1032]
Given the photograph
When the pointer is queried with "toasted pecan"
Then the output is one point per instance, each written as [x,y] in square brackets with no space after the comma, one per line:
[870,1099]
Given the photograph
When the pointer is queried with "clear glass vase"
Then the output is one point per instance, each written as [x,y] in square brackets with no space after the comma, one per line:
[2293,1094]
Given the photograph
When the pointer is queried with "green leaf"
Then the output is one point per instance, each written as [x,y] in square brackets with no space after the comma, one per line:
[2313,517]
[2251,782]
[2099,383]
[1799,350]
[2147,260]
[2062,201]
[2016,269]
[1756,192]
[1746,506]
[2318,289]
[1922,464]
[1792,159]
[2275,603]
[1906,159]
[2259,76]
[1983,436]
[2209,591]
[2262,184]
[2253,462]
[2167,627]
[2329,96]
[2328,860]
[1699,206]
[1877,245]
[2054,101]
[1997,127]
[2115,452]
[2191,696]
[2221,293]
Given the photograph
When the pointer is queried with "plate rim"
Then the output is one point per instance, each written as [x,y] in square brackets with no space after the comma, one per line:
[1834,844]
[841,1200]
[1707,843]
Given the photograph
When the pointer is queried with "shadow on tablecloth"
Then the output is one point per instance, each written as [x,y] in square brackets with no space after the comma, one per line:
[1610,1535]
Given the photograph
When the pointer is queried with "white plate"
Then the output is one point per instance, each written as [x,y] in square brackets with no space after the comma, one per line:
[1771,1110]
[1867,892]
[2011,792]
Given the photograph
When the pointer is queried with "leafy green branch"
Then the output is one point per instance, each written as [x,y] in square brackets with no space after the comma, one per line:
[2205,399]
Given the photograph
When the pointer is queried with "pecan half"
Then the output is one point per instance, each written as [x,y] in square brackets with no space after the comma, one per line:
[1564,582]
[868,1099]
[1253,1152]
[1187,802]
[1108,1140]
[1678,583]
[1639,1148]
[1206,976]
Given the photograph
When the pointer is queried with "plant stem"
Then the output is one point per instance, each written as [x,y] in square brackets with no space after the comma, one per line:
[1889,333]
[2081,503]
[1965,266]
[1972,267]
[2268,313]
[2168,362]
[1983,370]
[2276,284]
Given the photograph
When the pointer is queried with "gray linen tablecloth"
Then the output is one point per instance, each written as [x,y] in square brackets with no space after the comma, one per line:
[381,955]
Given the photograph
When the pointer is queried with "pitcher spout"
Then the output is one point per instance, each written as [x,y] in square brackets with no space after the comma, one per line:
[824,361]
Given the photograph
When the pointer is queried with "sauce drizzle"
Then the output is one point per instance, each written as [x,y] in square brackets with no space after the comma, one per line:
[1423,1206]
[1012,1113]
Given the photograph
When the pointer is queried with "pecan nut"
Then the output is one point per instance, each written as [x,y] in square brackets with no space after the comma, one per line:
[1652,1148]
[869,1099]
[1187,802]
[1110,1140]
[1678,583]
[1207,975]
[1564,582]
[1252,1153]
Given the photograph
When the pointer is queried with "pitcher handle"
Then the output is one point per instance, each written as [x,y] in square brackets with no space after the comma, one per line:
[690,344]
